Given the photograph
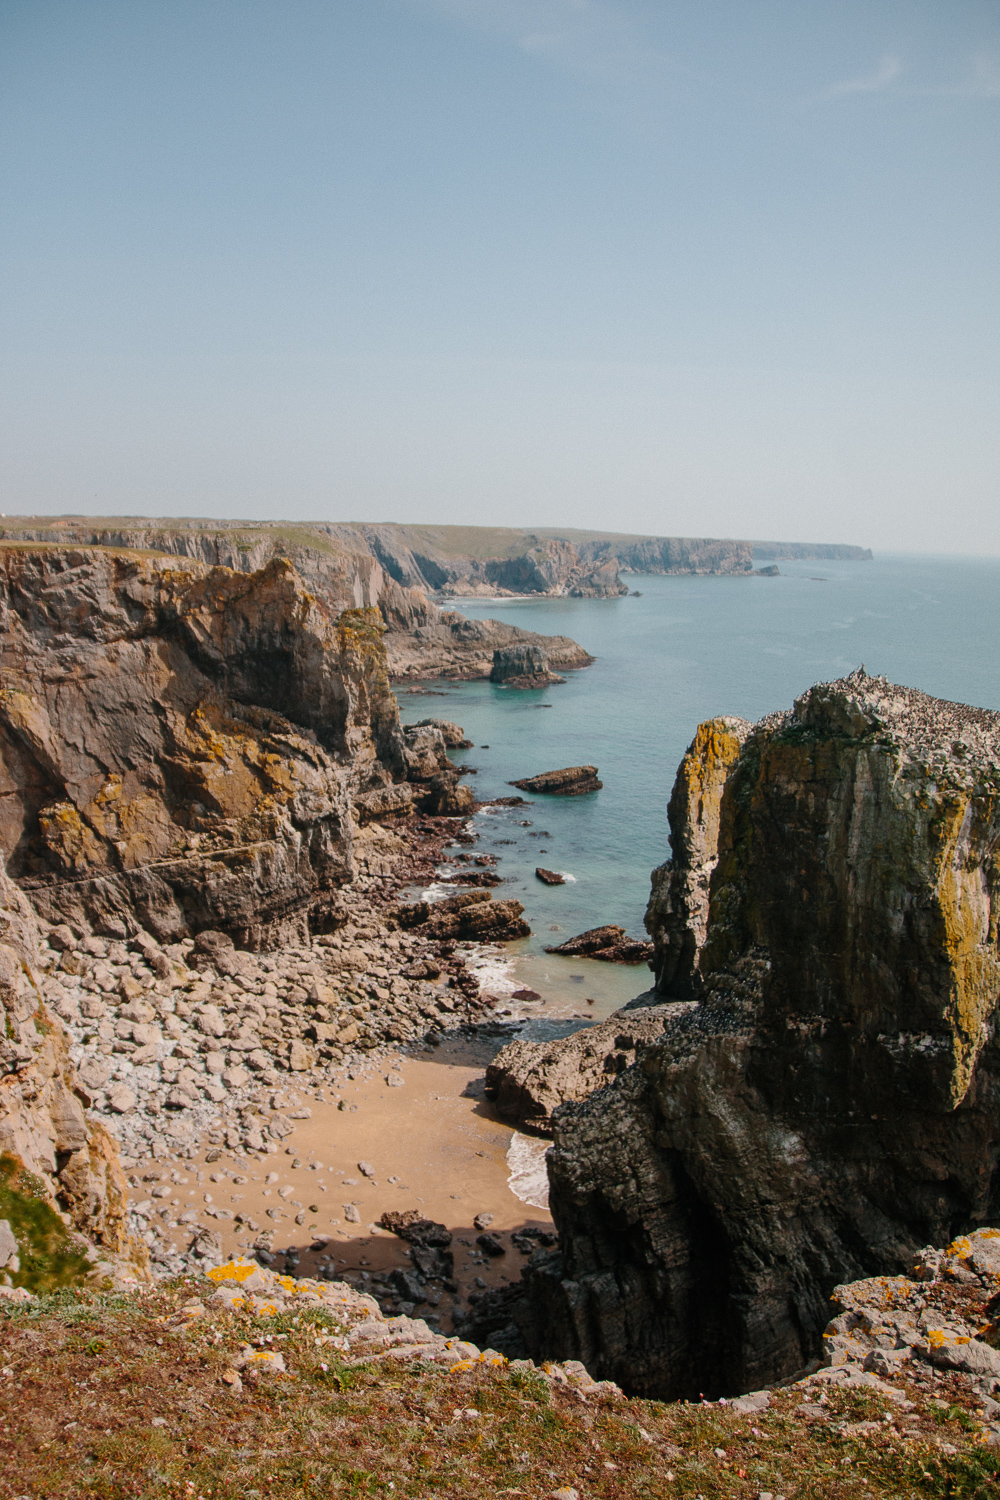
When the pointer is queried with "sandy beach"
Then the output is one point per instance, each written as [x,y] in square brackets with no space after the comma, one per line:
[432,1144]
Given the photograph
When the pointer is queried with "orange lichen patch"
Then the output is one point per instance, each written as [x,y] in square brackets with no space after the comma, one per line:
[233,1270]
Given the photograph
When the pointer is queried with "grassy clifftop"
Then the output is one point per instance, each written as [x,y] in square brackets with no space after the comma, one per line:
[160,1392]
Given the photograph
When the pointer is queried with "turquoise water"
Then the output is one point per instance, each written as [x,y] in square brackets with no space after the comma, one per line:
[687,649]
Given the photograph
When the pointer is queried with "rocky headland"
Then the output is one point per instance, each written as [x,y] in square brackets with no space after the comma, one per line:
[827,1102]
[398,568]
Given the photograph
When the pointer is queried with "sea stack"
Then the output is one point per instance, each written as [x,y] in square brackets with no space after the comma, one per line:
[522,667]
[832,1103]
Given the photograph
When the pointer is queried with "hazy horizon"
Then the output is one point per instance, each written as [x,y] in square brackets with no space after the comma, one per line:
[719,271]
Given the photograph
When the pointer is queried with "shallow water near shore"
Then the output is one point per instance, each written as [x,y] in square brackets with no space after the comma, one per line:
[688,649]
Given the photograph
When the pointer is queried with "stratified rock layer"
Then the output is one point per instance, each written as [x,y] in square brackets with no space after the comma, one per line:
[834,1101]
[180,744]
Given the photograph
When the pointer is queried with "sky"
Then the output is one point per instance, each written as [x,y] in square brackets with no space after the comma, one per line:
[714,269]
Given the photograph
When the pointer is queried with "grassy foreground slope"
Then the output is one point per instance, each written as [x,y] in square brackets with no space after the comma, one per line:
[136,1394]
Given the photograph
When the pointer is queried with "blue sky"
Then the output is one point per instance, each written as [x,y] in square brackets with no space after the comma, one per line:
[723,268]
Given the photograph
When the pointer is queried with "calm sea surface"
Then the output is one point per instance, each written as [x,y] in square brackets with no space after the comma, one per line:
[688,649]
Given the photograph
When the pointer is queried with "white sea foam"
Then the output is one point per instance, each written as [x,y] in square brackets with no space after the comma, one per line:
[528,1178]
[494,969]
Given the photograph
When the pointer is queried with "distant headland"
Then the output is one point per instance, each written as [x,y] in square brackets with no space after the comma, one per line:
[440,561]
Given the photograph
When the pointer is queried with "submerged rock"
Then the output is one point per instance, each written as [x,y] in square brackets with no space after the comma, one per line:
[833,1103]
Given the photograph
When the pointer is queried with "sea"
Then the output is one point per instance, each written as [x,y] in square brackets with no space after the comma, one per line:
[672,653]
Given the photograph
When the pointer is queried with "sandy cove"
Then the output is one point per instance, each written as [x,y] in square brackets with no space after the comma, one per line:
[229,1077]
[434,1145]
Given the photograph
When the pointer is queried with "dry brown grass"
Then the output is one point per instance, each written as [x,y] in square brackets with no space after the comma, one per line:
[108,1398]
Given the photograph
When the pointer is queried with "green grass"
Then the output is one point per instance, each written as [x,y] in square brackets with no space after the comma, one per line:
[48,1258]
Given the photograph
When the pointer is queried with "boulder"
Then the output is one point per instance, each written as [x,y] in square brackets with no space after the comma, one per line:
[471,915]
[452,734]
[447,797]
[572,781]
[549,877]
[527,1081]
[610,943]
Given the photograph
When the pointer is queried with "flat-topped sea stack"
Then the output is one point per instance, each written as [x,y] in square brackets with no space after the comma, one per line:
[522,667]
[832,1103]
[571,781]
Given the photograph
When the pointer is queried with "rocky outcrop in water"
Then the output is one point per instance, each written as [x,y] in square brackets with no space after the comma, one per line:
[472,916]
[180,745]
[452,646]
[833,1102]
[611,944]
[571,781]
[522,667]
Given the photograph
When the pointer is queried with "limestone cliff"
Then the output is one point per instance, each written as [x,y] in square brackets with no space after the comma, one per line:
[43,1129]
[833,1103]
[358,567]
[181,743]
[678,905]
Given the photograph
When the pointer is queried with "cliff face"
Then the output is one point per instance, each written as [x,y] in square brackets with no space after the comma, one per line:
[524,563]
[833,1103]
[344,571]
[182,743]
[672,554]
[42,1123]
[677,915]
